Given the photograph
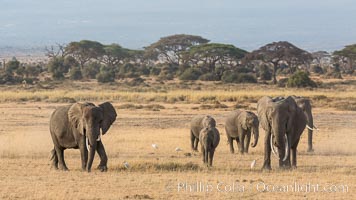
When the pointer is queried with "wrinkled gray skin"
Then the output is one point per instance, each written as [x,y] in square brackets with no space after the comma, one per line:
[71,125]
[209,138]
[305,105]
[279,117]
[196,125]
[239,125]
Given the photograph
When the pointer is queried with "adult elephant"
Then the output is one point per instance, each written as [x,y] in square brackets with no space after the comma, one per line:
[78,126]
[305,105]
[239,125]
[284,122]
[196,125]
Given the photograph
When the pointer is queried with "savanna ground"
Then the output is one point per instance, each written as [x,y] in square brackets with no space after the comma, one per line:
[160,114]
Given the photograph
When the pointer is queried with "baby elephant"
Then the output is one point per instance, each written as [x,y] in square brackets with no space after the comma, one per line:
[196,125]
[239,125]
[209,139]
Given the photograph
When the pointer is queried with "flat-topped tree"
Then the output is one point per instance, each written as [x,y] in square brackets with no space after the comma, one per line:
[349,54]
[169,48]
[84,51]
[113,54]
[214,53]
[278,52]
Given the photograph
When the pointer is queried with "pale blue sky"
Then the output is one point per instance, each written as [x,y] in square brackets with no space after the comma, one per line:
[249,24]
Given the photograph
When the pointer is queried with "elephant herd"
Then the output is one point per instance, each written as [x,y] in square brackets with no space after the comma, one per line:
[282,118]
[81,125]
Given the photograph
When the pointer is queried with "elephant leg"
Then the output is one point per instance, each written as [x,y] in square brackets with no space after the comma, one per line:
[267,156]
[310,141]
[294,154]
[192,140]
[203,153]
[206,156]
[247,142]
[211,156]
[83,153]
[103,157]
[241,142]
[196,144]
[61,163]
[231,143]
[54,159]
[294,157]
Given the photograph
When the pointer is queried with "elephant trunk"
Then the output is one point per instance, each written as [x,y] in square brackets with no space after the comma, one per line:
[310,123]
[207,149]
[282,144]
[255,136]
[91,148]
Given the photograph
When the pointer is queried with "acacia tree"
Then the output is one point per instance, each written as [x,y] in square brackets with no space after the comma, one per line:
[114,54]
[59,50]
[347,57]
[214,53]
[84,51]
[170,48]
[278,52]
[135,56]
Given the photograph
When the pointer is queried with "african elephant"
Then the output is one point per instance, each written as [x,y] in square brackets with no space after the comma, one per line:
[78,126]
[239,125]
[305,105]
[209,138]
[196,125]
[284,122]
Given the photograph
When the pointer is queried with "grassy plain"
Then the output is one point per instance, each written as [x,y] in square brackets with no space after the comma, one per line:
[25,145]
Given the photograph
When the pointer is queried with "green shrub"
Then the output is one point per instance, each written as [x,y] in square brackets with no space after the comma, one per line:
[317,69]
[300,79]
[282,82]
[33,71]
[155,71]
[105,75]
[143,70]
[75,74]
[91,70]
[70,62]
[12,65]
[190,74]
[264,73]
[57,67]
[209,77]
[233,77]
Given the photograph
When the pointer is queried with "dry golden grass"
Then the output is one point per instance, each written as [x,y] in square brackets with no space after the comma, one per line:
[169,96]
[25,144]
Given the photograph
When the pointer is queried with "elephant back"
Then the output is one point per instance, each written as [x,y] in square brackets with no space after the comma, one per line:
[208,121]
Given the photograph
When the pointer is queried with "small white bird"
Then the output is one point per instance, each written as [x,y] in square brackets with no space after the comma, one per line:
[178,149]
[126,165]
[155,146]
[253,163]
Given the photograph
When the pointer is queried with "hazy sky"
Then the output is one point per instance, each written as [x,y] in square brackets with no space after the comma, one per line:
[248,24]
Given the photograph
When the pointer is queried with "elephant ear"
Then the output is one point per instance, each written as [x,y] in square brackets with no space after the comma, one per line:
[292,109]
[75,114]
[109,116]
[243,120]
[263,111]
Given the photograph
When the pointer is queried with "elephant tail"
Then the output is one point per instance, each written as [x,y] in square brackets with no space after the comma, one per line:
[53,154]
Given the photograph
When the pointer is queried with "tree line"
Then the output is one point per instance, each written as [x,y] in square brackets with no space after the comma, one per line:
[186,57]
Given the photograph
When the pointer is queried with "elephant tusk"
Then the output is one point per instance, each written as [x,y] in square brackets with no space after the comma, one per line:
[99,138]
[287,147]
[309,127]
[272,146]
[87,143]
[315,128]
